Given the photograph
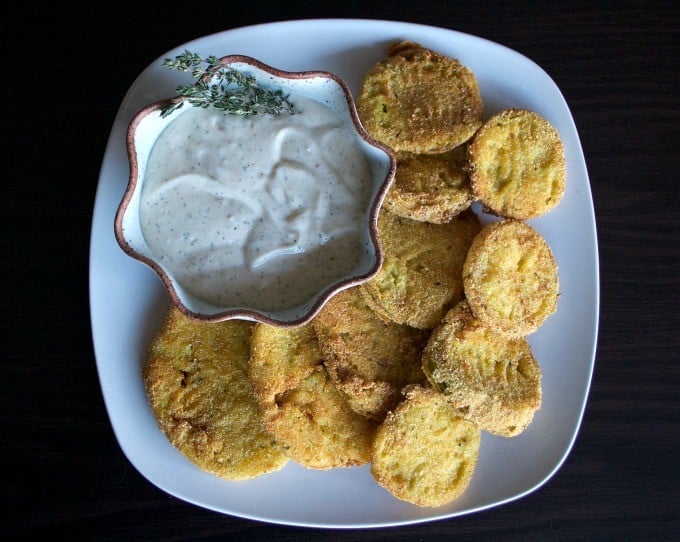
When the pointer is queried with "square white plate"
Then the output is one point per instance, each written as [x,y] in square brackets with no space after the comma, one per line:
[127,300]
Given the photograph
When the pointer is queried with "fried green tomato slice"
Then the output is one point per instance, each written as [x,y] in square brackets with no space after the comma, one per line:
[424,452]
[517,164]
[491,379]
[368,359]
[300,405]
[430,187]
[196,378]
[418,100]
[422,274]
[511,278]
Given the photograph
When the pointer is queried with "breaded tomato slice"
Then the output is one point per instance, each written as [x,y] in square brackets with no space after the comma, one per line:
[517,165]
[491,379]
[418,100]
[300,405]
[430,187]
[424,452]
[197,383]
[369,359]
[422,274]
[511,278]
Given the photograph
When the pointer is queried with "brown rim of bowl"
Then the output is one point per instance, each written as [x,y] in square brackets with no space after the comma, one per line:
[252,314]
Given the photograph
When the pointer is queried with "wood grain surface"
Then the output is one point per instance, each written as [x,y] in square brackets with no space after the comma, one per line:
[68,69]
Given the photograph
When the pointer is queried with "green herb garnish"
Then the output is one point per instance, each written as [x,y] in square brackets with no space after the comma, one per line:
[223,88]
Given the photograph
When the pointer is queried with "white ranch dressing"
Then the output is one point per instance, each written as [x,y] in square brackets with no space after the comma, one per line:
[256,211]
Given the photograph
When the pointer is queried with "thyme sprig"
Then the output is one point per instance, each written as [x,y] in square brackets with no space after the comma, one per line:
[223,88]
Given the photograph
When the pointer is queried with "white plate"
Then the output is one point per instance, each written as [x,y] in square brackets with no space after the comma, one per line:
[128,301]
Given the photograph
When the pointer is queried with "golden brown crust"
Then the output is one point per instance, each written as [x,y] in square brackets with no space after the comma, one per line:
[418,100]
[421,276]
[198,389]
[280,359]
[300,405]
[430,187]
[368,359]
[517,165]
[511,278]
[424,453]
[491,379]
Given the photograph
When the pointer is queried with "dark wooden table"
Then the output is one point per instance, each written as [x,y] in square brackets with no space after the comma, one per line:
[68,69]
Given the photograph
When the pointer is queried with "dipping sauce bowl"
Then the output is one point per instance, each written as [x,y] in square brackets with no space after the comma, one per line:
[262,217]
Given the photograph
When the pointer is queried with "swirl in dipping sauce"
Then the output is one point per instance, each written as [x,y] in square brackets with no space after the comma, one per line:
[256,211]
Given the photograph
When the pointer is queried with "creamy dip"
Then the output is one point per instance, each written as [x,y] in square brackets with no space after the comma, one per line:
[258,211]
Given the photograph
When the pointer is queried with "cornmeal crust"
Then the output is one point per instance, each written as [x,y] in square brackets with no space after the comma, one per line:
[422,274]
[198,389]
[491,379]
[517,165]
[368,359]
[418,100]
[430,187]
[510,278]
[300,405]
[424,452]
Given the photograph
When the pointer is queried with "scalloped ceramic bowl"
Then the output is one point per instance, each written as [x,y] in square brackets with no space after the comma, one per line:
[323,87]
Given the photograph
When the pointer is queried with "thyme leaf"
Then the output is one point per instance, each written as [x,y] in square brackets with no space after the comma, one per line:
[223,88]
